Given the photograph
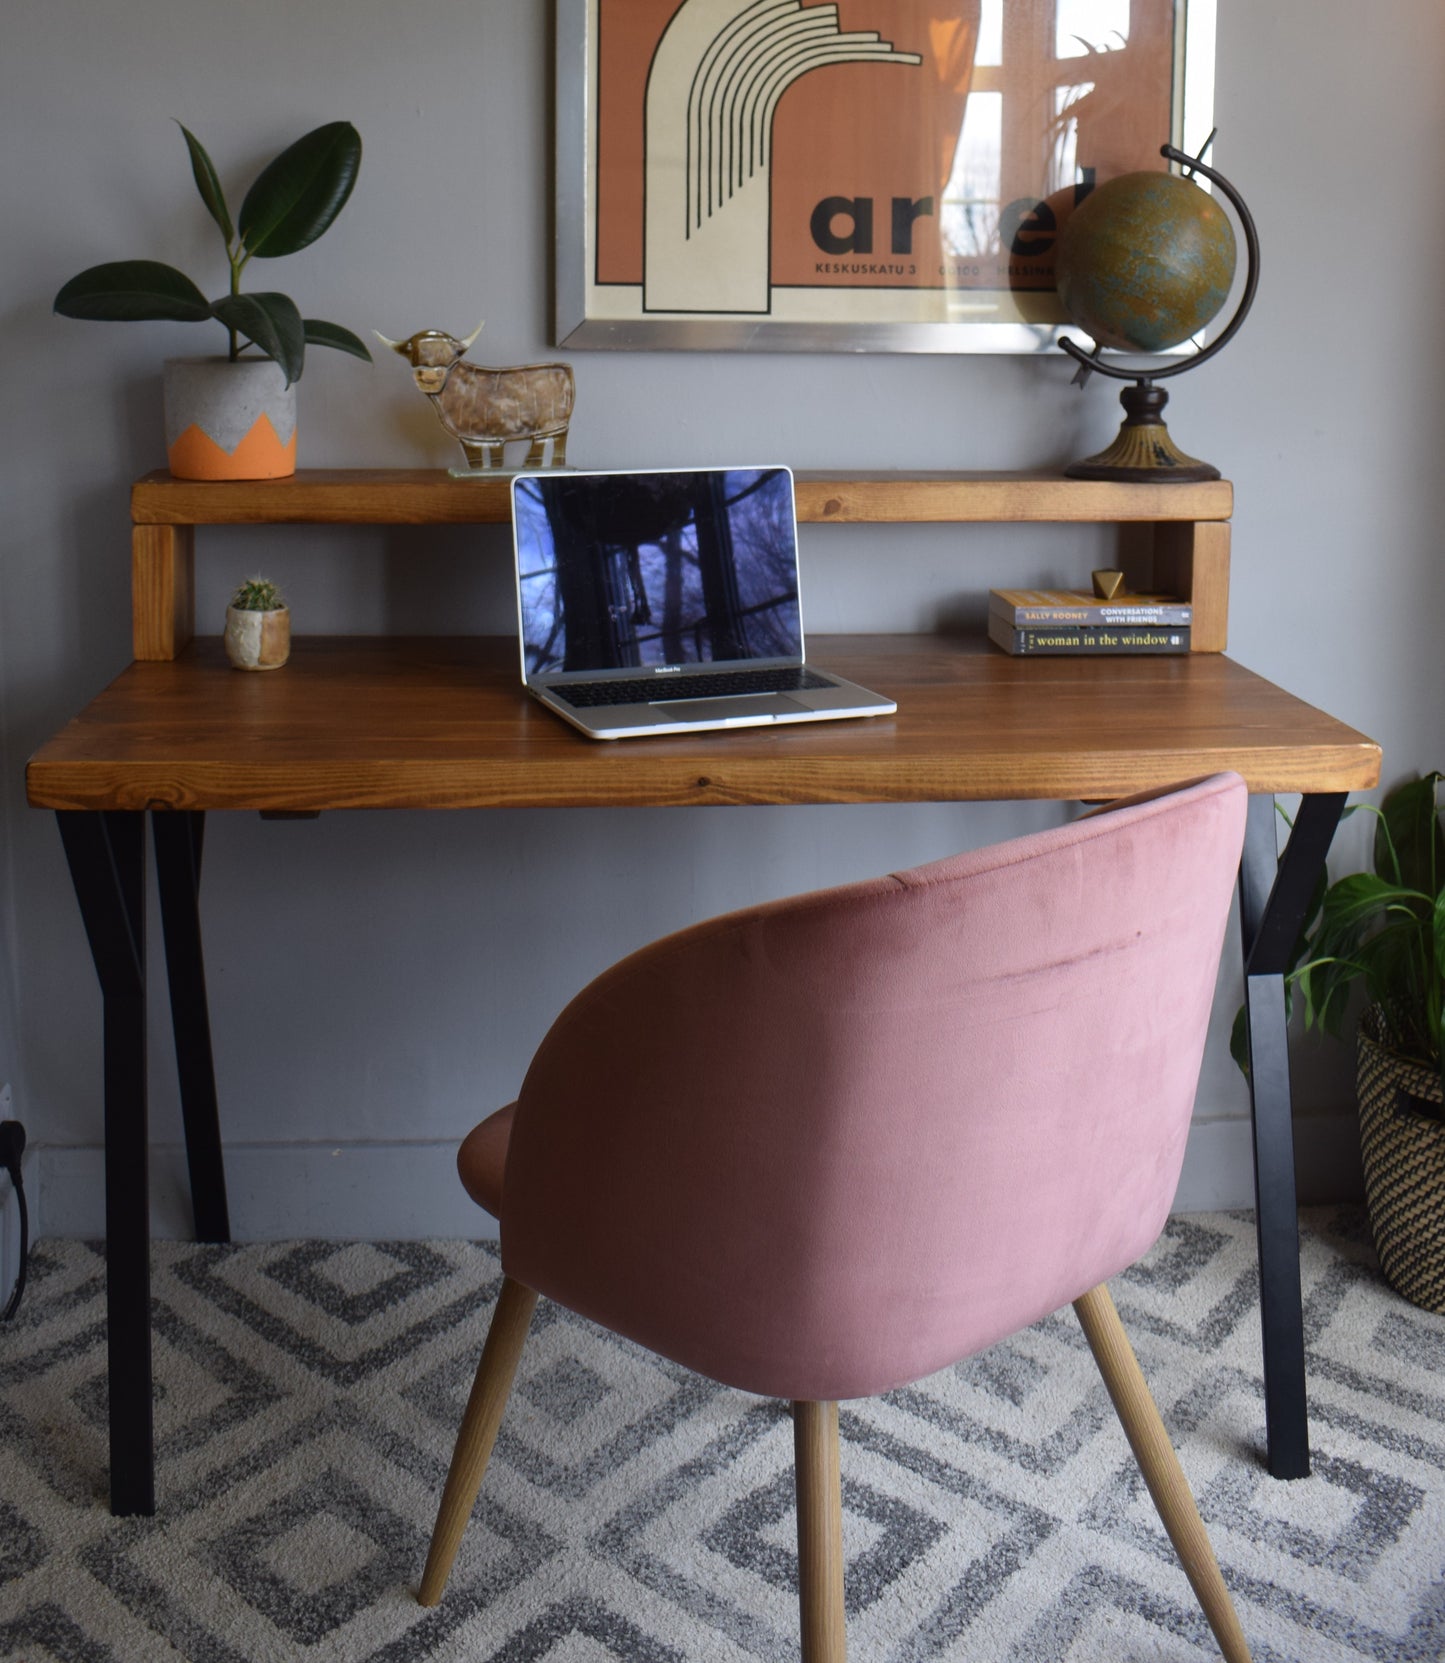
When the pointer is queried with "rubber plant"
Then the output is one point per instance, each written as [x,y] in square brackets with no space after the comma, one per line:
[293,201]
[1382,931]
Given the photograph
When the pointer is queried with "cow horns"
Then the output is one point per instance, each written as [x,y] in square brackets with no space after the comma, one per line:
[403,346]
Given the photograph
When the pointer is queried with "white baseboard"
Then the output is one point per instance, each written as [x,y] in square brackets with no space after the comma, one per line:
[278,1192]
[409,1191]
[1219,1163]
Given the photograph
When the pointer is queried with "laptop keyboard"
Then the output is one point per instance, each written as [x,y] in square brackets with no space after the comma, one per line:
[652,689]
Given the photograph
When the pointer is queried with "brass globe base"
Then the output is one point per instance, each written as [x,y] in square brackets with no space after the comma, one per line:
[1143,453]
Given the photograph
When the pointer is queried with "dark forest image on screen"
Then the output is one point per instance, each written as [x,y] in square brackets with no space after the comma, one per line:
[627,570]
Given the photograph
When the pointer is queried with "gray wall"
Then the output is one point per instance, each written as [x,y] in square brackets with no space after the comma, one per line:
[379,980]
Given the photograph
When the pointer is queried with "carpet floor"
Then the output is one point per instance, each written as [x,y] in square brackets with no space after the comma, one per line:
[308,1394]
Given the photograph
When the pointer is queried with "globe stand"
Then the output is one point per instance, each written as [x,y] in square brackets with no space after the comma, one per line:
[1143,453]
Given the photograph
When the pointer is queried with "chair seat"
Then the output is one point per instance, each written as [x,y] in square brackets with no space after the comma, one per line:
[482,1159]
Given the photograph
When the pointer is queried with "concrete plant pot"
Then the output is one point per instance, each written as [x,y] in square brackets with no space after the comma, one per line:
[229,419]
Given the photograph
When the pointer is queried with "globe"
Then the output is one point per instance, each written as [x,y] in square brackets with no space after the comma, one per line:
[1145,261]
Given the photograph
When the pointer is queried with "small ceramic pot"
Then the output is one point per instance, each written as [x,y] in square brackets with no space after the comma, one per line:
[258,640]
[229,420]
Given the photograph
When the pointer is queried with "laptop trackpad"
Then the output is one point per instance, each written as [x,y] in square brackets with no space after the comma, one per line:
[722,710]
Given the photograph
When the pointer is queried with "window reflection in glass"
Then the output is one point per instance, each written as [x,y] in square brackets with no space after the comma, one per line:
[1085,26]
[1054,102]
[990,34]
[971,202]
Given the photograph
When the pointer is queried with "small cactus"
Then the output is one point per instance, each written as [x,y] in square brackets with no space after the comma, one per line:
[258,594]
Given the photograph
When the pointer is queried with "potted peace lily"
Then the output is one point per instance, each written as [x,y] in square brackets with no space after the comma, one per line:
[1383,932]
[235,417]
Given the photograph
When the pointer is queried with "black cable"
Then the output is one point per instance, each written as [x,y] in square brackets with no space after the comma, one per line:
[12,1147]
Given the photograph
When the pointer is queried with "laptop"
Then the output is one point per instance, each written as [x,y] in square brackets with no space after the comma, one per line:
[667,601]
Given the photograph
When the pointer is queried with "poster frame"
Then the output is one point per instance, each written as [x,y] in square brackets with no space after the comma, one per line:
[588,316]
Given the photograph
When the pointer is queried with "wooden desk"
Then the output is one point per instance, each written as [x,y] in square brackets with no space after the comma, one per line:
[444,724]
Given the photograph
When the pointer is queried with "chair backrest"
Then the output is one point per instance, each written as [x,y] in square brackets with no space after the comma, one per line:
[822,1147]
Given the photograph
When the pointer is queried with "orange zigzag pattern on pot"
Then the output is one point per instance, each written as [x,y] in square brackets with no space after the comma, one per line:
[260,455]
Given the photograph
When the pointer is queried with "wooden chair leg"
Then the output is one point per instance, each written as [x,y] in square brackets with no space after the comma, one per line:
[820,1532]
[1160,1466]
[490,1390]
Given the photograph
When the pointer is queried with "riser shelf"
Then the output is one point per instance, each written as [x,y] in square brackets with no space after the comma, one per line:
[1177,536]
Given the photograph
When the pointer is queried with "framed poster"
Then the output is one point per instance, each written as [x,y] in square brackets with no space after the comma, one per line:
[862,175]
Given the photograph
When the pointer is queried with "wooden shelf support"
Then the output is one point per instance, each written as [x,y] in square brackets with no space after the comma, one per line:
[163,579]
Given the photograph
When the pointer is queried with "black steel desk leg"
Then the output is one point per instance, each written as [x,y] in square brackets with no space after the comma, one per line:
[178,839]
[107,866]
[1274,892]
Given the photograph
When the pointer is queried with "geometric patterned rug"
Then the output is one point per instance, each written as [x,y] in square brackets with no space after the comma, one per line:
[309,1392]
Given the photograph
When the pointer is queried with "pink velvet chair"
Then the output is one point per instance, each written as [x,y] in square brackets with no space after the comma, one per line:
[820,1148]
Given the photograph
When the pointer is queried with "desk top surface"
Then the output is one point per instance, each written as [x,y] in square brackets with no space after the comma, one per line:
[432,722]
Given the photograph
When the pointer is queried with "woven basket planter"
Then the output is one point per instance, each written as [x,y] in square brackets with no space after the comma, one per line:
[1404,1159]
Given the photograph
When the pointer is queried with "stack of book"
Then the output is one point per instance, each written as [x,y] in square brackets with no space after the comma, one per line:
[1069,621]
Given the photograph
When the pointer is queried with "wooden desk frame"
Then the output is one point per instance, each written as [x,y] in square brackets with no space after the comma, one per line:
[101,810]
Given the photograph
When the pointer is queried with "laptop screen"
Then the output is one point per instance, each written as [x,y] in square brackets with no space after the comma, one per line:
[620,570]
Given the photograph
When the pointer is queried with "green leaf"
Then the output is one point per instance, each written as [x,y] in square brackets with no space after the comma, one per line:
[208,185]
[272,322]
[1239,1041]
[319,333]
[131,291]
[1325,984]
[1439,936]
[1381,933]
[1409,833]
[299,194]
[1363,899]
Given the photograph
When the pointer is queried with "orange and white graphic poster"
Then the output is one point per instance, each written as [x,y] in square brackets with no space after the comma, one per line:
[861,161]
